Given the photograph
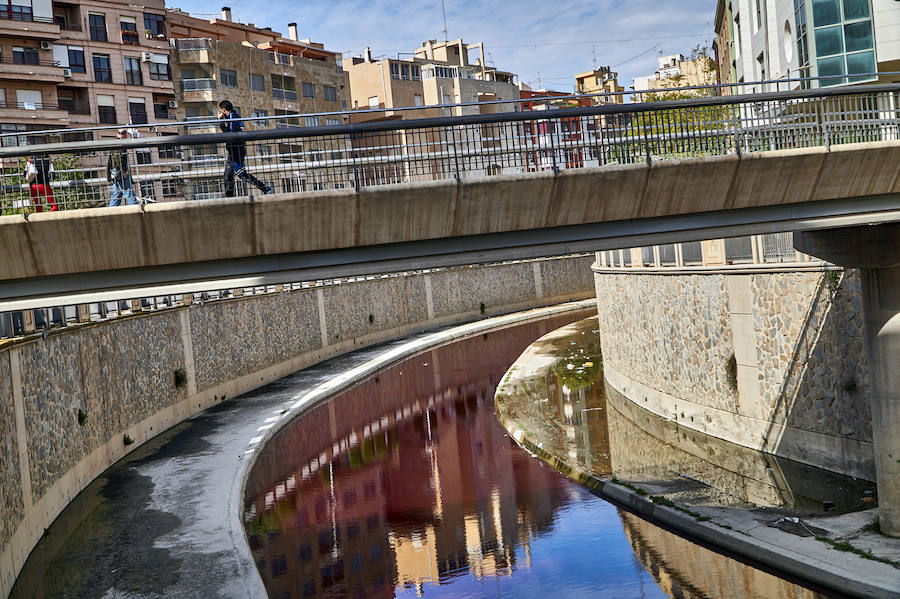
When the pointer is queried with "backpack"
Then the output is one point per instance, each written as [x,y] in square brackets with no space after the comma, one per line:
[42,164]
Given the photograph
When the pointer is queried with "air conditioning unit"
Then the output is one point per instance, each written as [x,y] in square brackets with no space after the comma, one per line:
[45,45]
[145,56]
[67,73]
[173,103]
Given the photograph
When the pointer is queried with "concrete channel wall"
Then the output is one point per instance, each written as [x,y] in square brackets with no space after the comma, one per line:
[68,399]
[771,358]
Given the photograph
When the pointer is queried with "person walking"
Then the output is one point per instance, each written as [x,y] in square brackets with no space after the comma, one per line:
[236,151]
[38,174]
[118,174]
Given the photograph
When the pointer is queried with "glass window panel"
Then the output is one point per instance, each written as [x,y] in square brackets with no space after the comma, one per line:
[826,12]
[829,41]
[862,62]
[831,66]
[856,9]
[858,36]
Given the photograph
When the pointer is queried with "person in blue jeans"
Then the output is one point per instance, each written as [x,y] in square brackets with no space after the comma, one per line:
[118,173]
[236,151]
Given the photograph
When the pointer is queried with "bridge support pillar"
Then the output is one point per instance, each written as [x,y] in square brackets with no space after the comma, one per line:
[876,251]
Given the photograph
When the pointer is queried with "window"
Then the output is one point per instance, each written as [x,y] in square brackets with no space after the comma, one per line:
[168,152]
[144,156]
[106,107]
[155,26]
[416,72]
[395,70]
[132,71]
[311,121]
[332,122]
[417,100]
[405,72]
[284,88]
[257,83]
[146,188]
[97,25]
[758,15]
[137,110]
[330,93]
[373,102]
[128,26]
[25,56]
[169,188]
[309,90]
[844,40]
[18,12]
[228,78]
[160,109]
[160,71]
[259,113]
[29,99]
[76,60]
[102,73]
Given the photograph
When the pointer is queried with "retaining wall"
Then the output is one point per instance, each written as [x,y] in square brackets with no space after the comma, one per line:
[121,374]
[768,358]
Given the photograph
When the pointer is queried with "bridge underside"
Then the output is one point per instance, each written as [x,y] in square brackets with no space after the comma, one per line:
[241,242]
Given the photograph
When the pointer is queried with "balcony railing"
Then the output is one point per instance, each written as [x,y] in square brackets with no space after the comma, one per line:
[192,44]
[279,58]
[7,14]
[71,27]
[29,61]
[130,37]
[284,94]
[73,109]
[29,106]
[191,85]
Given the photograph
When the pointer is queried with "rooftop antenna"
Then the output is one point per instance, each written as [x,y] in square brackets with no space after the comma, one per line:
[444,14]
[594,55]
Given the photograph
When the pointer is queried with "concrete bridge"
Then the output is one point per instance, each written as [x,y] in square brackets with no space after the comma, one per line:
[665,183]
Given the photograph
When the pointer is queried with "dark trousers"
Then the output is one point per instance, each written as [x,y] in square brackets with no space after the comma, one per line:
[234,165]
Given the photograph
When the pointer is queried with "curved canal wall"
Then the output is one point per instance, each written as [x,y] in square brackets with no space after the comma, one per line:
[71,399]
[768,356]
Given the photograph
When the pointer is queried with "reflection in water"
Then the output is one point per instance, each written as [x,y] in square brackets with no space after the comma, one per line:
[407,485]
[564,408]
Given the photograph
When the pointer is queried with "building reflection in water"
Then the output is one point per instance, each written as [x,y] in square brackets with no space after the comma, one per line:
[421,486]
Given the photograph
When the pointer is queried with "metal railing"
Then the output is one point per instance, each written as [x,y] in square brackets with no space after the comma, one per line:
[7,14]
[298,159]
[190,85]
[29,60]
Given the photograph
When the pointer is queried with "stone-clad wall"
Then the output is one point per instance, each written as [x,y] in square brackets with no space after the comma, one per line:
[11,501]
[118,375]
[796,338]
[122,373]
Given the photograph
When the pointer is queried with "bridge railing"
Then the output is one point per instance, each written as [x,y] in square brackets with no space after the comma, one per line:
[291,159]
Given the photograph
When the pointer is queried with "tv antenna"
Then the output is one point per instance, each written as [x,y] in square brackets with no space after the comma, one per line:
[444,15]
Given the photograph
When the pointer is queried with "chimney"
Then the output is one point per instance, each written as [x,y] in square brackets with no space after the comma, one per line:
[226,13]
[368,54]
[292,31]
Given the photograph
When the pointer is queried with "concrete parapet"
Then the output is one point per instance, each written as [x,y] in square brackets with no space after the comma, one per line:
[75,401]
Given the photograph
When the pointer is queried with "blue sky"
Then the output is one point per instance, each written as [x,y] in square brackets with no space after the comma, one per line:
[530,37]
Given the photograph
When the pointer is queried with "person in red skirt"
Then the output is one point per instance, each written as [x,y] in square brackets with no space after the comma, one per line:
[38,173]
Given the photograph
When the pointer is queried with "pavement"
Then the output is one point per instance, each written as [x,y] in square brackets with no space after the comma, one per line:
[166,519]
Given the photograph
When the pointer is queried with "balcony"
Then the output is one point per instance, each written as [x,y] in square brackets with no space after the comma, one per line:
[278,58]
[26,25]
[36,113]
[284,94]
[36,69]
[192,85]
[194,55]
[130,37]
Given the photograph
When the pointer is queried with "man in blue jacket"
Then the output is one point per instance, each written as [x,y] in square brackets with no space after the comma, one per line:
[236,151]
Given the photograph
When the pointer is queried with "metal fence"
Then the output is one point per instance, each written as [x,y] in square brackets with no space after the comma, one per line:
[289,158]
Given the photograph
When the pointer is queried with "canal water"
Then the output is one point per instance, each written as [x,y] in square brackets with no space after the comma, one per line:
[407,485]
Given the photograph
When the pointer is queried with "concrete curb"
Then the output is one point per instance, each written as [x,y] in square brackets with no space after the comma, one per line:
[306,401]
[778,558]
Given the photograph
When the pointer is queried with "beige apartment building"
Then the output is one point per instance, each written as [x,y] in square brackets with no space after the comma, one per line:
[676,71]
[259,71]
[601,80]
[436,73]
[83,63]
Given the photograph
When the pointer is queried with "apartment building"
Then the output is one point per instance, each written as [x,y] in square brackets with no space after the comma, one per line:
[601,80]
[848,40]
[676,71]
[114,58]
[436,73]
[263,74]
[259,71]
[82,63]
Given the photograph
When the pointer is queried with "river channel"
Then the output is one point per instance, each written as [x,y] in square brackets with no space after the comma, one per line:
[408,485]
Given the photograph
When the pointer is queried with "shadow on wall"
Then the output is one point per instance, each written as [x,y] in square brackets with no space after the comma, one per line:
[823,387]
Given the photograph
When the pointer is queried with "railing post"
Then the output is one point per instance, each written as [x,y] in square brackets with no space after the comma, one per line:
[455,156]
